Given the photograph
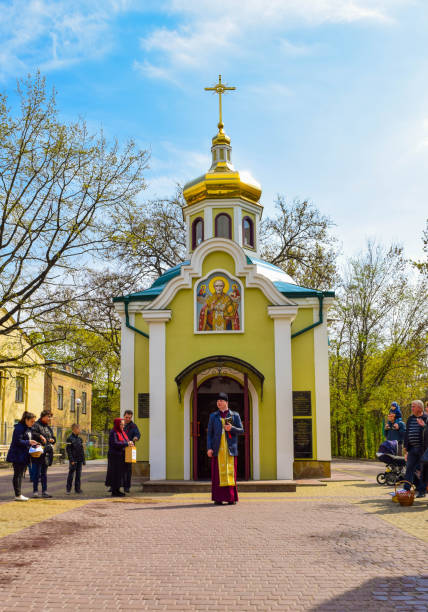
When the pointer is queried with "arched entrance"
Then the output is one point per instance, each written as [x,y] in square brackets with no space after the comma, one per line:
[225,367]
[205,404]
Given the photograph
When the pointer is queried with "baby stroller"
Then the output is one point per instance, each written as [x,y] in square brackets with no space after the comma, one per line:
[395,465]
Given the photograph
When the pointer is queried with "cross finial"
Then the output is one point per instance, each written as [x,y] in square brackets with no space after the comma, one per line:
[220,88]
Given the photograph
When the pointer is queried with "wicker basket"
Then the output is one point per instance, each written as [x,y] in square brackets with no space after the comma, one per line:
[405,498]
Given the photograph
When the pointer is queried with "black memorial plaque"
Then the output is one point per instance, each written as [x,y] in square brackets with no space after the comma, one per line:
[302,406]
[302,438]
[143,405]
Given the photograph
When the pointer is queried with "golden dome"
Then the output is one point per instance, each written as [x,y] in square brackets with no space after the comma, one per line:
[222,180]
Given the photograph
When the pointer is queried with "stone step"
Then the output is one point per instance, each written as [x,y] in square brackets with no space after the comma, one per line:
[201,486]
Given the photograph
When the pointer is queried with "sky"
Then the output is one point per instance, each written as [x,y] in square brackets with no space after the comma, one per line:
[331,102]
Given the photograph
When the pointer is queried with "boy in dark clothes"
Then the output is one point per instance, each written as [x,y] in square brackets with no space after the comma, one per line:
[76,457]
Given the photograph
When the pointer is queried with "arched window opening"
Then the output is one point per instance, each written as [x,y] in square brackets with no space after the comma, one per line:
[197,232]
[223,226]
[248,232]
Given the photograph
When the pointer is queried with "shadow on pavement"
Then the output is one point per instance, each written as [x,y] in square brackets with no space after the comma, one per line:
[176,507]
[406,593]
[389,507]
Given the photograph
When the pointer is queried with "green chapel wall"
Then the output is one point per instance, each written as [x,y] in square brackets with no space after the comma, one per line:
[303,360]
[183,348]
[141,385]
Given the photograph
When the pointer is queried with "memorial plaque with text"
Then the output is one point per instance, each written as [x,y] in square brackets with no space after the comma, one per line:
[302,404]
[302,438]
[143,405]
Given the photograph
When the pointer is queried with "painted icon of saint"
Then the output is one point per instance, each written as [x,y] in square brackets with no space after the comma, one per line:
[219,312]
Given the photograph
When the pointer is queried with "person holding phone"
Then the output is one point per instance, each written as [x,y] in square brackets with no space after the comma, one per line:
[415,443]
[224,426]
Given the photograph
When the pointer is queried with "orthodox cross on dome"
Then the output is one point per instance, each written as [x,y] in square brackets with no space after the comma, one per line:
[220,89]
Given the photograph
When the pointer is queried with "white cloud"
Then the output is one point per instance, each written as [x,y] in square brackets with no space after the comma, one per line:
[219,31]
[51,34]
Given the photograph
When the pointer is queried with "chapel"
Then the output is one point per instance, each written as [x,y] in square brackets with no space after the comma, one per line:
[225,320]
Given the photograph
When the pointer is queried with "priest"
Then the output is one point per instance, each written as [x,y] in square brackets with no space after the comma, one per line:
[224,426]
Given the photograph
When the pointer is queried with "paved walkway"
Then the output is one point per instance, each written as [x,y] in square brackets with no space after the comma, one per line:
[341,547]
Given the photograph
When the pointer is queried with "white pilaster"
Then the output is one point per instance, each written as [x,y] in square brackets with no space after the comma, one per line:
[283,316]
[127,364]
[322,389]
[237,225]
[156,320]
[208,223]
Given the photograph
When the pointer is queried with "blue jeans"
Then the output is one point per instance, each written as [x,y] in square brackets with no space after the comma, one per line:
[39,471]
[414,455]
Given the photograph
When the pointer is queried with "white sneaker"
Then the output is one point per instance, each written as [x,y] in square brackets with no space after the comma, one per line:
[35,495]
[21,498]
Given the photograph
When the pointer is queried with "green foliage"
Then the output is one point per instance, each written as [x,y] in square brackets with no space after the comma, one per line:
[378,347]
[93,453]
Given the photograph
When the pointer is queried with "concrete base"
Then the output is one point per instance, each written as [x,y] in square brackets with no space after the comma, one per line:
[141,469]
[311,469]
[192,486]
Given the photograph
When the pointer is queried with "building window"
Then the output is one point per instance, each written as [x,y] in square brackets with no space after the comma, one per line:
[248,232]
[197,232]
[223,226]
[72,400]
[83,402]
[19,391]
[60,395]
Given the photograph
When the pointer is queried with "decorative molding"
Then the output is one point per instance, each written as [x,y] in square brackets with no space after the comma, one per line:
[133,308]
[156,316]
[283,312]
[194,270]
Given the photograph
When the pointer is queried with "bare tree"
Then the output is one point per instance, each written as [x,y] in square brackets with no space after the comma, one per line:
[59,186]
[297,240]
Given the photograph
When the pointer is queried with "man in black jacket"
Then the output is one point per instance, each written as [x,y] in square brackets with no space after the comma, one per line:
[134,435]
[76,457]
[43,433]
[415,442]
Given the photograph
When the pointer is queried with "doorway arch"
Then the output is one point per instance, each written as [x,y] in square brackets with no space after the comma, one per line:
[235,375]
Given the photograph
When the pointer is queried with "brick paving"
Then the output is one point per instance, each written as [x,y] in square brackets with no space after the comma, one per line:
[326,549]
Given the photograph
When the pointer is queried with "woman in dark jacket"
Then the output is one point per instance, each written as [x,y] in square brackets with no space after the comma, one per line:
[18,453]
[42,432]
[117,442]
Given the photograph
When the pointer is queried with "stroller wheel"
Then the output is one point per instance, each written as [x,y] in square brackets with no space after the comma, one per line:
[380,478]
[391,479]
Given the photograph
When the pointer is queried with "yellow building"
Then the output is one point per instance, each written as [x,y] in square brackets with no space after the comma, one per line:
[21,383]
[225,320]
[69,396]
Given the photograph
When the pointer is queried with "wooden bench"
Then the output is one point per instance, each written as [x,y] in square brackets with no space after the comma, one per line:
[3,451]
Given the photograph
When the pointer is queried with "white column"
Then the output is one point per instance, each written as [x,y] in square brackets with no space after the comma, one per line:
[208,223]
[188,236]
[322,389]
[237,225]
[283,316]
[156,320]
[127,364]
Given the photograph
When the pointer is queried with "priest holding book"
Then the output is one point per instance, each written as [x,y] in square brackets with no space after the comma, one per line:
[224,426]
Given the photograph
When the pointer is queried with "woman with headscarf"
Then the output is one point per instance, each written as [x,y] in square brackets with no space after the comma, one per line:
[118,441]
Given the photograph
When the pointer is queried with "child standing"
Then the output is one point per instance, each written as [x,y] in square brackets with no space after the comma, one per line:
[76,457]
